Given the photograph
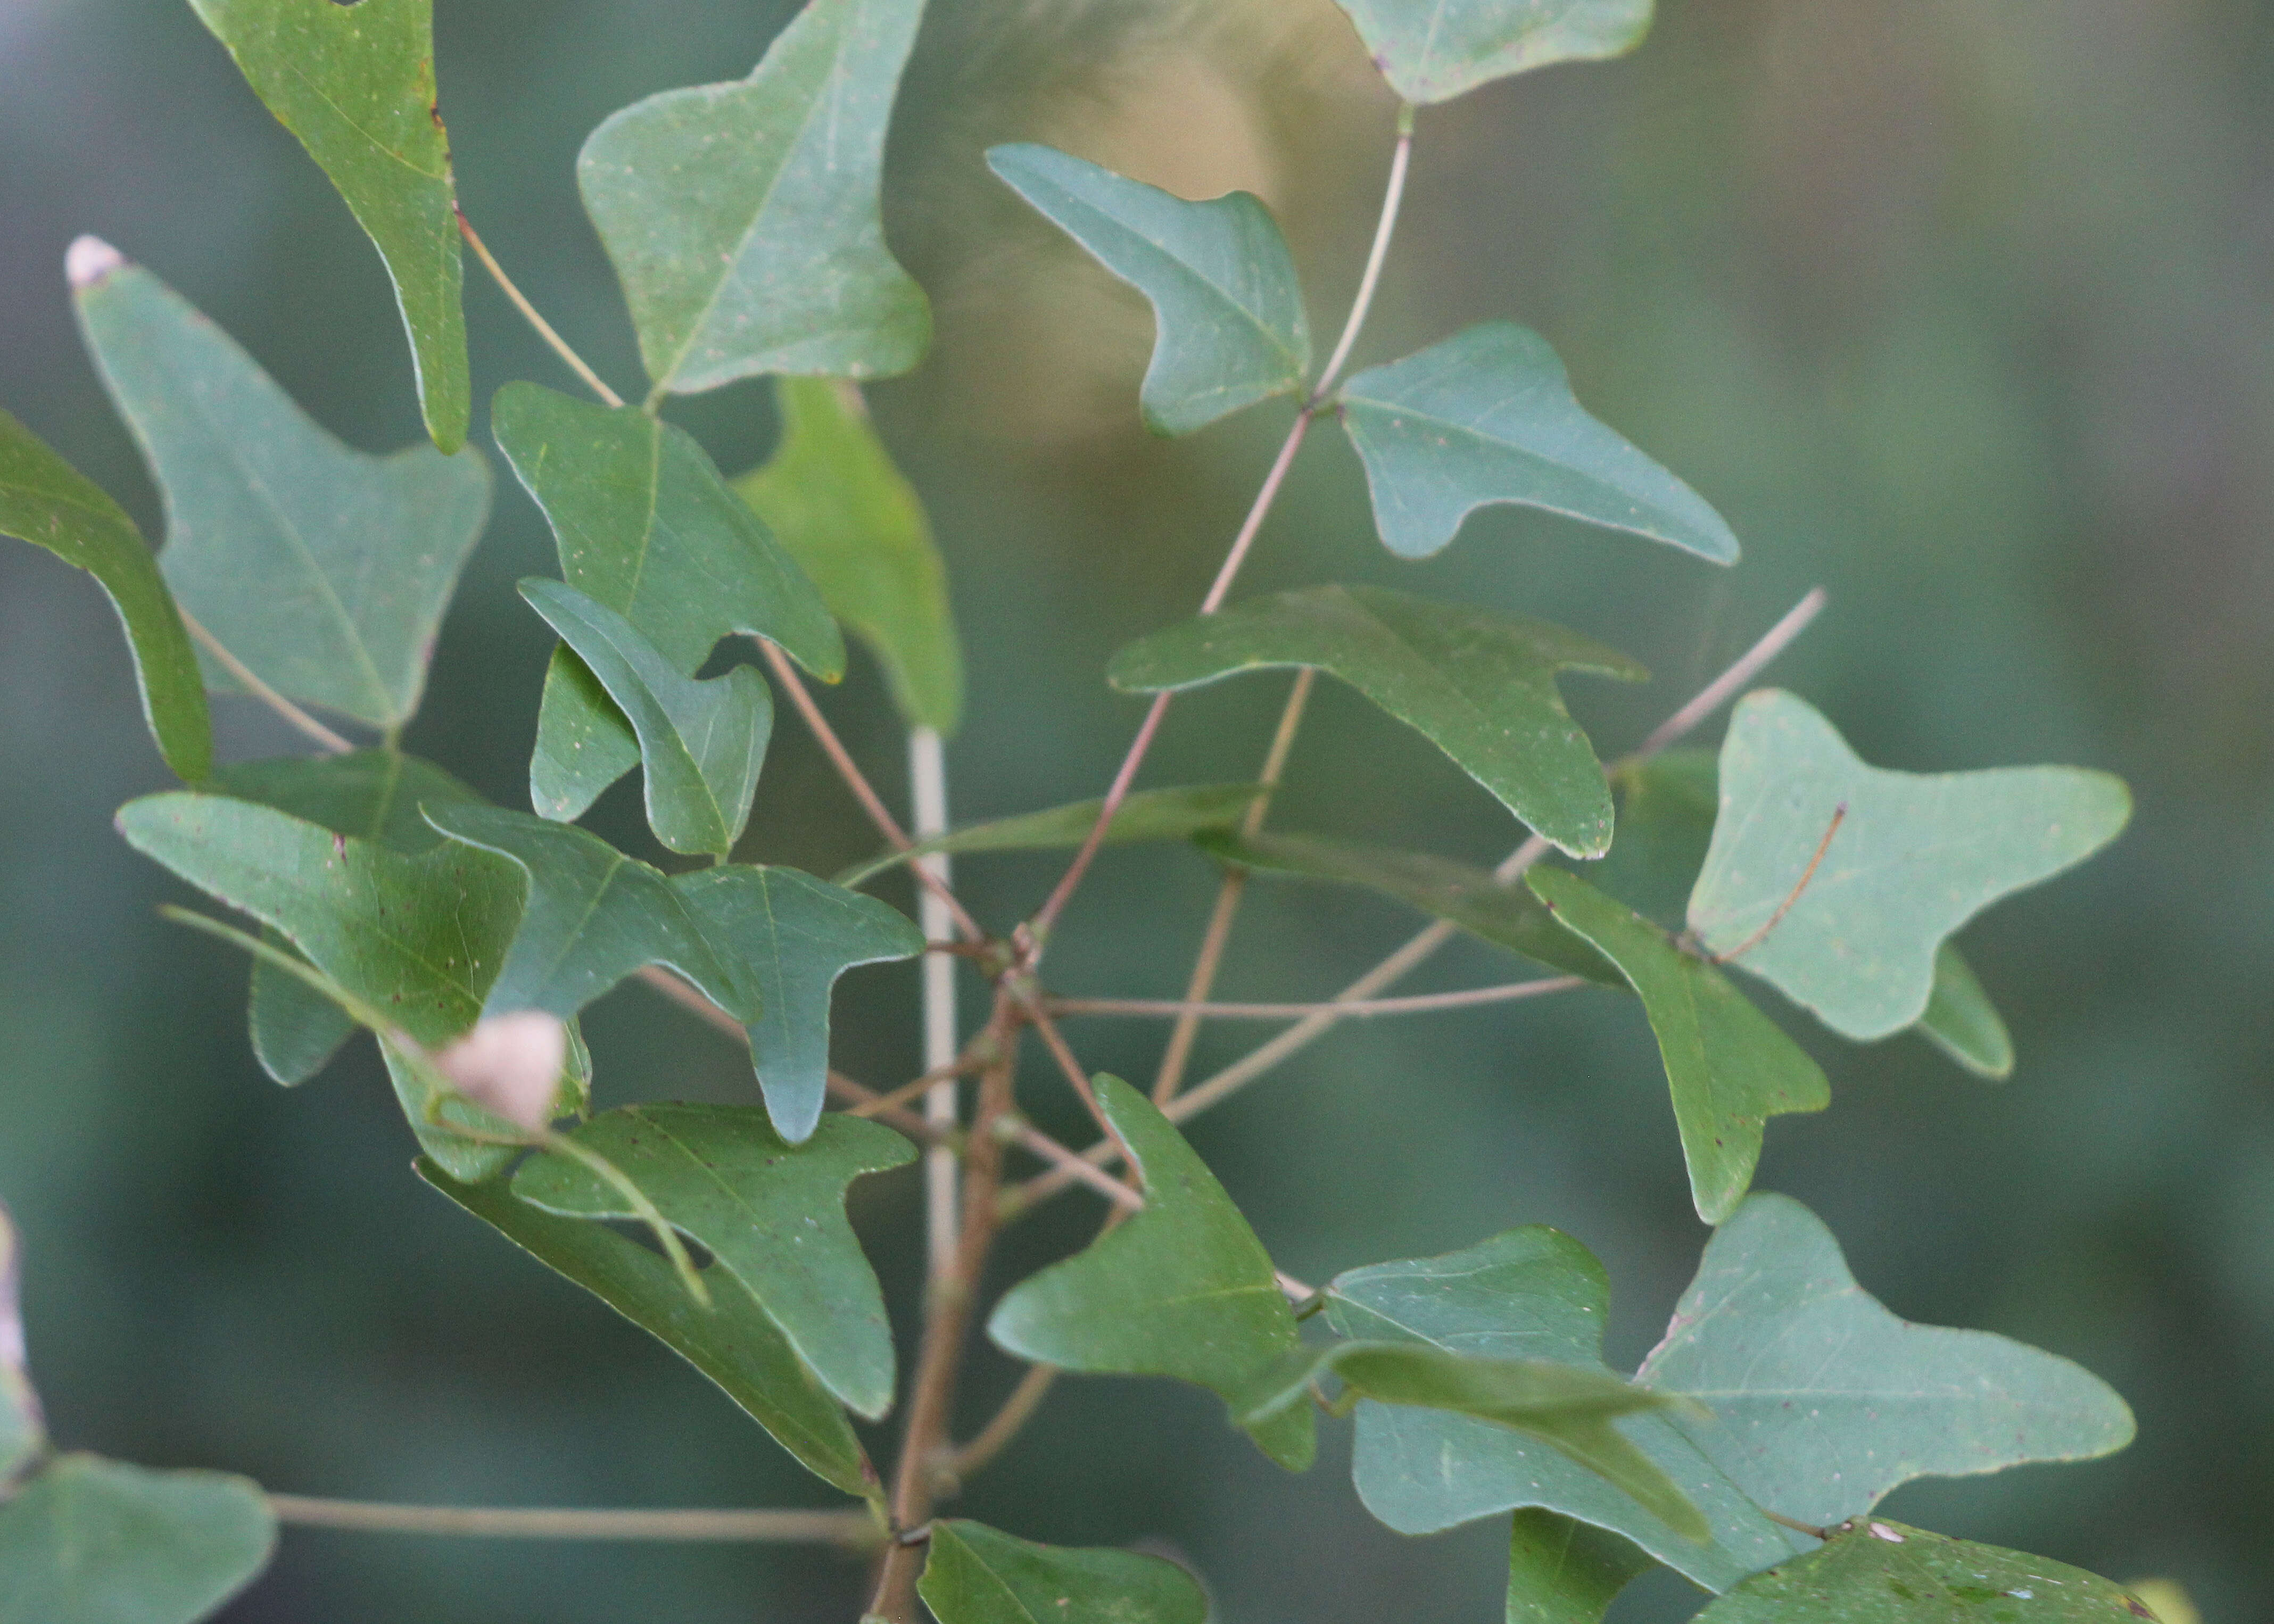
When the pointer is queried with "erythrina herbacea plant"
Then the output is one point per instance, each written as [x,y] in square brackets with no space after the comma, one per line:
[1749,1451]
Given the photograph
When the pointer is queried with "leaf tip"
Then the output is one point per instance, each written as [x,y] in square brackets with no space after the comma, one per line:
[89,261]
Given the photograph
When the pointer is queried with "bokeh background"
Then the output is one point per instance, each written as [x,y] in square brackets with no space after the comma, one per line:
[1963,309]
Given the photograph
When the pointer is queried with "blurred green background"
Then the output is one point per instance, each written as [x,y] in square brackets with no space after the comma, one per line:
[1961,308]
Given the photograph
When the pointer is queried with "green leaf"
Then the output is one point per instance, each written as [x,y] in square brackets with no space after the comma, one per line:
[773,1214]
[1432,50]
[1563,1571]
[783,938]
[745,219]
[1487,417]
[356,86]
[1221,282]
[324,571]
[1528,1294]
[838,506]
[731,1341]
[22,1433]
[90,1541]
[1184,1289]
[46,501]
[701,743]
[1481,688]
[646,526]
[974,1575]
[1145,815]
[1887,1573]
[1568,1406]
[1823,1402]
[1960,1020]
[1912,858]
[417,937]
[1730,1067]
[1503,913]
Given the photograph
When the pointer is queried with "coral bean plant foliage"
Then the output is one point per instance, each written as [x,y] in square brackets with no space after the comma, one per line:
[374,893]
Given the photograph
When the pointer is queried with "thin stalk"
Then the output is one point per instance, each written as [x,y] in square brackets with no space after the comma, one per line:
[842,1528]
[236,669]
[545,330]
[928,779]
[868,1102]
[992,1440]
[916,1088]
[1725,687]
[1393,197]
[1353,1009]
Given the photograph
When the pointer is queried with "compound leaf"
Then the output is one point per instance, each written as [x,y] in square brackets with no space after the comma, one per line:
[645,526]
[1482,689]
[1911,857]
[90,1541]
[1730,1067]
[1487,417]
[745,219]
[974,1575]
[783,937]
[1145,815]
[731,1341]
[1563,1571]
[700,743]
[322,571]
[357,85]
[1183,1289]
[1502,912]
[1823,1402]
[1886,1572]
[773,1214]
[46,501]
[836,504]
[1432,50]
[1528,1294]
[1221,282]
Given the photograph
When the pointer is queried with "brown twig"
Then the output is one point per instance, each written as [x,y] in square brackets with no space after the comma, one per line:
[1725,687]
[1838,816]
[844,1528]
[992,1440]
[1346,1009]
[914,1089]
[592,379]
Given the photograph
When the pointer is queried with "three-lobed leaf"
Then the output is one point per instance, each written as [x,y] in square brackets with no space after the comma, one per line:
[1229,310]
[1730,1068]
[731,1341]
[839,506]
[46,501]
[1487,417]
[701,743]
[772,1213]
[745,219]
[977,1574]
[1481,688]
[1144,815]
[357,85]
[1432,50]
[90,1541]
[322,571]
[1181,1290]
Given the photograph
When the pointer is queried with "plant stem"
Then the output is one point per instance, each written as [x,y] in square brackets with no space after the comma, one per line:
[1725,687]
[928,779]
[1393,197]
[560,345]
[267,696]
[916,1088]
[846,1528]
[992,1440]
[1351,1008]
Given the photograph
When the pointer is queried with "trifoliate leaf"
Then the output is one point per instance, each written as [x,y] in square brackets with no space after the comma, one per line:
[772,1212]
[1432,50]
[46,501]
[22,1432]
[1502,912]
[1910,859]
[1221,282]
[90,1541]
[1823,1402]
[701,744]
[838,506]
[1487,417]
[646,526]
[1480,686]
[1183,1289]
[357,85]
[1528,1294]
[745,219]
[1730,1067]
[1563,1571]
[783,937]
[731,1341]
[1145,815]
[1878,1572]
[322,570]
[974,1575]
